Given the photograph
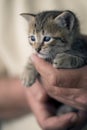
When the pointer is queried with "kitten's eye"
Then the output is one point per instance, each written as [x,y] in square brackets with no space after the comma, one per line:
[33,38]
[47,39]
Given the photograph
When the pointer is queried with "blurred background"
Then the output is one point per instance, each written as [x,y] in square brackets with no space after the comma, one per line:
[14,47]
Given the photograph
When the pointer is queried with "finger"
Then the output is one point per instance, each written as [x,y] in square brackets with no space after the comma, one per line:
[75,97]
[82,121]
[59,123]
[60,77]
[71,96]
[70,93]
[45,118]
[35,99]
[53,76]
[49,121]
[38,92]
[44,68]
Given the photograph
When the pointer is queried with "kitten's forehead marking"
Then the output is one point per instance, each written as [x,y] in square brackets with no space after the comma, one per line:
[43,24]
[38,36]
[44,17]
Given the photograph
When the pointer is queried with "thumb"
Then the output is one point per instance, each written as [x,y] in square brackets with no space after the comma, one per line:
[60,77]
[44,68]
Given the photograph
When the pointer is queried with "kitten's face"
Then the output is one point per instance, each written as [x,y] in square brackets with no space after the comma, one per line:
[46,41]
[51,32]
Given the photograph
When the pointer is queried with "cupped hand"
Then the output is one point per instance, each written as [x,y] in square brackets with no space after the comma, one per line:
[44,109]
[65,85]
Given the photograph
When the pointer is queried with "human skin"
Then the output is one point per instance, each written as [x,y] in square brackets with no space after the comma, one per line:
[65,85]
[12,98]
[44,109]
[13,103]
[55,83]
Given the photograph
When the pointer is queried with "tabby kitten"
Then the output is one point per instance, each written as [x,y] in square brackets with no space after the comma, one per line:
[55,35]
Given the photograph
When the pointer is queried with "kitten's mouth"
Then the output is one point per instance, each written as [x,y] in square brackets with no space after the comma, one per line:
[42,55]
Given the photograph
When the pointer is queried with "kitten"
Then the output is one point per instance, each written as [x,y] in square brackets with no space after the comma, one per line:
[55,35]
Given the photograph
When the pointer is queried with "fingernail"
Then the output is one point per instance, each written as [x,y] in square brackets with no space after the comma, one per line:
[73,118]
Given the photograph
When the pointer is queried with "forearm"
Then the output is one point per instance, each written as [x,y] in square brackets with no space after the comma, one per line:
[10,114]
[12,98]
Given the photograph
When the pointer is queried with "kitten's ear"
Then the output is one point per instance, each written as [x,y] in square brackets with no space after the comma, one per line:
[28,17]
[66,19]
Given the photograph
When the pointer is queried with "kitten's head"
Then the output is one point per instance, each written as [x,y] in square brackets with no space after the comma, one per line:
[52,31]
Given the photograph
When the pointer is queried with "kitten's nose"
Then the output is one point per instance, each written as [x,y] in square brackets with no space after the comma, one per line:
[38,49]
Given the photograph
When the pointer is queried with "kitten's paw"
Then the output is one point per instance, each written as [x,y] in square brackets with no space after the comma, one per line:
[28,79]
[65,109]
[65,60]
[60,61]
[56,63]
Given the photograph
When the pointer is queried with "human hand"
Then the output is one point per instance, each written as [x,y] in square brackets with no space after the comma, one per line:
[44,108]
[67,86]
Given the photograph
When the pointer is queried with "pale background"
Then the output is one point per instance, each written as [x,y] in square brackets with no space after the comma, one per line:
[14,48]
